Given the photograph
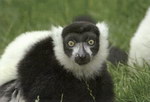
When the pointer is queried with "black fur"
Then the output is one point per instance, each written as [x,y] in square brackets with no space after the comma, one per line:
[41,75]
[84,36]
[79,28]
[117,55]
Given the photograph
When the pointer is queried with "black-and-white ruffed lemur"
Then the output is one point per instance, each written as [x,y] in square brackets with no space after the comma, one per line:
[61,65]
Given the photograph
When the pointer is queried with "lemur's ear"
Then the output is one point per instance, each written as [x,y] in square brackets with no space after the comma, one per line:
[103,28]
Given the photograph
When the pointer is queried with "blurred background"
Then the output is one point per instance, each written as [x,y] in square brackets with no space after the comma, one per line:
[122,17]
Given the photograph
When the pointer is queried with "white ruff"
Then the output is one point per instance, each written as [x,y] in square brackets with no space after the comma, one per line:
[16,51]
[89,70]
[140,43]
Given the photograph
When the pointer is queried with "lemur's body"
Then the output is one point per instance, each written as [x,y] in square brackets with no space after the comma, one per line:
[65,64]
[50,82]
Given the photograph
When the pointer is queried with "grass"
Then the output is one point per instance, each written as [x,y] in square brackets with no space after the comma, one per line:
[122,16]
[131,83]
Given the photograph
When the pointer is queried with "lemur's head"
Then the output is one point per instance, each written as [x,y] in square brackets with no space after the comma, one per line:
[81,41]
[81,47]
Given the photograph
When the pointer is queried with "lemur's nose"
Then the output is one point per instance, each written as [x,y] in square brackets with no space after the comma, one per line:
[82,59]
[82,56]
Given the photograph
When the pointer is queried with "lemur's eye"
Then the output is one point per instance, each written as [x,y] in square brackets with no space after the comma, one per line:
[71,43]
[91,42]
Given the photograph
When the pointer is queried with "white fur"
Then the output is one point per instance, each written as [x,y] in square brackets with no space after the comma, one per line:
[88,50]
[4,99]
[140,43]
[89,70]
[75,50]
[16,51]
[18,98]
[77,47]
[103,28]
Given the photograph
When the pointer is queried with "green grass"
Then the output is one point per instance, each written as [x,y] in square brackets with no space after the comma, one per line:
[131,83]
[122,16]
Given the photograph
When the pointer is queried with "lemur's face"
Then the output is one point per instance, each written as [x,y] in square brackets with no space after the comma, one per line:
[81,42]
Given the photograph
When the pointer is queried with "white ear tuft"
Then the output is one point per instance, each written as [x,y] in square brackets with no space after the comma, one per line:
[56,31]
[103,28]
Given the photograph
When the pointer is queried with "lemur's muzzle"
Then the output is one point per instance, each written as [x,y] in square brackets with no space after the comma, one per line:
[82,57]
